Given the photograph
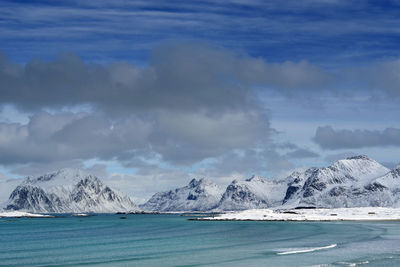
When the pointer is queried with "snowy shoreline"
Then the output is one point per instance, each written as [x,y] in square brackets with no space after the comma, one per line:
[338,214]
[21,214]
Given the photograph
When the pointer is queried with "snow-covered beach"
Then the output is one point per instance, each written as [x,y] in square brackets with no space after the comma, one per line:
[22,214]
[340,214]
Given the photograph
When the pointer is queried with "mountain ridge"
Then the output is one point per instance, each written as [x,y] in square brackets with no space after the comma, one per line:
[198,195]
[67,191]
[351,182]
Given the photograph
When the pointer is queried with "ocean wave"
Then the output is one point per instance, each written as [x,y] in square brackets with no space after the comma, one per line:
[305,250]
[352,263]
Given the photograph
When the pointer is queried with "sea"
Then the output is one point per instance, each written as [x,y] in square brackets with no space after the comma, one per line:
[173,240]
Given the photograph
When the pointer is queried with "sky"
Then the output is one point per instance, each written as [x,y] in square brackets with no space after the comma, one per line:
[150,94]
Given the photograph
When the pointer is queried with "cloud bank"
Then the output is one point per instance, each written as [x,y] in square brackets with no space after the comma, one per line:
[329,138]
[179,77]
[190,103]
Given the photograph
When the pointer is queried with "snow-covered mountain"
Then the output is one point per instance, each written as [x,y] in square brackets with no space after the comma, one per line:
[198,195]
[67,191]
[253,193]
[352,182]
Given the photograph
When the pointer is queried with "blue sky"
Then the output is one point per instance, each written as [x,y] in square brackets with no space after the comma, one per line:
[324,32]
[152,93]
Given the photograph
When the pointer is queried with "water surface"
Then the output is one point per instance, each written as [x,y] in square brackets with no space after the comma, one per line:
[172,240]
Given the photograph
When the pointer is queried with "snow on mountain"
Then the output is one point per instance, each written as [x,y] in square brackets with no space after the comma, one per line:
[391,179]
[387,188]
[255,192]
[199,195]
[352,182]
[67,191]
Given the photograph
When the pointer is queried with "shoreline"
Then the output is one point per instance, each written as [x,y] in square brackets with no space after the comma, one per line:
[255,220]
[23,214]
[363,214]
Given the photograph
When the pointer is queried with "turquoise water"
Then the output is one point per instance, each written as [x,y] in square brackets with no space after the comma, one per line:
[171,240]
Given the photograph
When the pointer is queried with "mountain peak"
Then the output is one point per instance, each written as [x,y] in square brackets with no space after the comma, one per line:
[62,177]
[359,164]
[74,171]
[341,184]
[254,178]
[197,182]
[255,192]
[363,157]
[199,195]
[194,182]
[59,173]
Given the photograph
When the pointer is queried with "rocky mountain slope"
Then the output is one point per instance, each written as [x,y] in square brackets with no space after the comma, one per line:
[67,191]
[252,193]
[351,182]
[198,195]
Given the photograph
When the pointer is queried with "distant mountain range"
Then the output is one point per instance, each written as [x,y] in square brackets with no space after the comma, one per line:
[352,182]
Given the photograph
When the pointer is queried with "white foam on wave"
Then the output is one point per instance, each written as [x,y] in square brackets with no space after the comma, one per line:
[305,250]
[352,263]
[341,263]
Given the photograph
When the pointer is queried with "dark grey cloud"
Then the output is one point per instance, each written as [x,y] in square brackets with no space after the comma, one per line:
[190,80]
[179,77]
[329,138]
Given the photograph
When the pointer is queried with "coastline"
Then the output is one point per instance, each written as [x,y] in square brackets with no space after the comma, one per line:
[22,214]
[312,215]
[295,215]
